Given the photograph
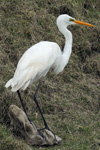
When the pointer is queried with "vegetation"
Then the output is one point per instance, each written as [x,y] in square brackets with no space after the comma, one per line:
[71,100]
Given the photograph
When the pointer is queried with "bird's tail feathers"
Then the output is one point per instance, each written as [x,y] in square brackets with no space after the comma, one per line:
[14,87]
[9,83]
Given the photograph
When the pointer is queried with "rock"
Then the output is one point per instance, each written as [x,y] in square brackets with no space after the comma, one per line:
[30,133]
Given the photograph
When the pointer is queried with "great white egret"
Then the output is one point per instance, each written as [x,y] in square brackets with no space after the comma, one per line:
[38,59]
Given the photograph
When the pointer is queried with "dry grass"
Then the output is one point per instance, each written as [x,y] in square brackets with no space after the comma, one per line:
[70,101]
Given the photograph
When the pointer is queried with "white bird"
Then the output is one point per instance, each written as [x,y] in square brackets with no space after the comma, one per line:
[41,57]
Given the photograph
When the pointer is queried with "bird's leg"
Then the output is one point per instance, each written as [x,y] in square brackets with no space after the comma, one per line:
[45,123]
[35,99]
[21,100]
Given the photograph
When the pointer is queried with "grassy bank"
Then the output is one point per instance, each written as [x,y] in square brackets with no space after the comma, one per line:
[71,100]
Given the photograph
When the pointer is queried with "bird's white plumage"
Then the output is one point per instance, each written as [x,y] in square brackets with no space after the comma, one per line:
[34,64]
[37,60]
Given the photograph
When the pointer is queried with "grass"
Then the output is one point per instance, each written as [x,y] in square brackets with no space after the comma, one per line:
[70,101]
[8,141]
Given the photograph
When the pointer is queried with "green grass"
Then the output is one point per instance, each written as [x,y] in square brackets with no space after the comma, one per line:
[70,101]
[8,141]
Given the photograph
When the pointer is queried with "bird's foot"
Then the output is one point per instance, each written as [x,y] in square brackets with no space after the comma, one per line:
[47,128]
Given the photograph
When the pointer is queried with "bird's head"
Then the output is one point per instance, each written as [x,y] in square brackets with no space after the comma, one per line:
[66,20]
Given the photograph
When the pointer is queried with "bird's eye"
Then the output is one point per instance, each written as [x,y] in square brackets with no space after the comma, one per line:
[71,19]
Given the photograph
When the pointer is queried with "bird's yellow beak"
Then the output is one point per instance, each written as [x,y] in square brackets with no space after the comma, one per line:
[83,23]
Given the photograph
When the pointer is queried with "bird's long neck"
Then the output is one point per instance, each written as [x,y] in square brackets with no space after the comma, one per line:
[68,45]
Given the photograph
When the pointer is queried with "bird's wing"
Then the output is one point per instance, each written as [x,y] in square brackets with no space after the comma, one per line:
[35,61]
